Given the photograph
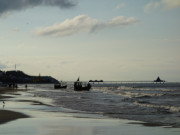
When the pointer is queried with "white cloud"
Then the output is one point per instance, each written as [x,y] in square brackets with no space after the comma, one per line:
[3,66]
[121,21]
[6,14]
[165,4]
[148,7]
[121,5]
[83,23]
[22,47]
[16,29]
[170,4]
[80,23]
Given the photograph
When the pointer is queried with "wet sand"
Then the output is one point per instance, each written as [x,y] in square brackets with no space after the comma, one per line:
[26,114]
[6,116]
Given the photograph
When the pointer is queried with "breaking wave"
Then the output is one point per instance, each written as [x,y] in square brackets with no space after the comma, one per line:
[145,104]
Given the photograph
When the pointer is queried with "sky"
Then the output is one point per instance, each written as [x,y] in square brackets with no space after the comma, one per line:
[112,40]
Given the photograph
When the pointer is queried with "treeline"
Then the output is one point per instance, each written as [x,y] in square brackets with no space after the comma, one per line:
[21,77]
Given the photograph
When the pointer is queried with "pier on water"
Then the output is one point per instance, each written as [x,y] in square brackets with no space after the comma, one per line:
[135,84]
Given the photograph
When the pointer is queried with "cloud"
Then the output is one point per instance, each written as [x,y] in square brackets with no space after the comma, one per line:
[83,23]
[121,5]
[3,66]
[170,4]
[16,29]
[150,6]
[7,6]
[65,62]
[122,21]
[165,4]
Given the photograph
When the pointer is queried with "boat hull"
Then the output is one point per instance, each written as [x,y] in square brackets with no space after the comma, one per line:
[60,87]
[82,88]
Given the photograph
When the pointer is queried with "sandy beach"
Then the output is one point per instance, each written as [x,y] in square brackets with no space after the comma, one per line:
[25,114]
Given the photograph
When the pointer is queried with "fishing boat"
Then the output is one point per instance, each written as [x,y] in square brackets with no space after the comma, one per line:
[60,85]
[81,86]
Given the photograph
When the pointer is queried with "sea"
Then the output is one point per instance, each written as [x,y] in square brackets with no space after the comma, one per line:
[152,103]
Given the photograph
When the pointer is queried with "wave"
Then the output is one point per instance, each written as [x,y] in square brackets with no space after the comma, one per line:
[165,108]
[171,95]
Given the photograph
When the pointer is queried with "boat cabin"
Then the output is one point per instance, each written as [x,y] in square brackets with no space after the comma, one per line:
[80,86]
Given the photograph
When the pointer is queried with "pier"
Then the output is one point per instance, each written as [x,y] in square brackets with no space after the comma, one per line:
[135,84]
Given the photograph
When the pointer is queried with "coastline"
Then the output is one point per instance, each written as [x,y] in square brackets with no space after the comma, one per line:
[24,114]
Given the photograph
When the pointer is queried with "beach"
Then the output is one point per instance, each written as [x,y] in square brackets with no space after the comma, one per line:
[27,113]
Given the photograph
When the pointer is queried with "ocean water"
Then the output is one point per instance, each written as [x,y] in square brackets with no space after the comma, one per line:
[156,104]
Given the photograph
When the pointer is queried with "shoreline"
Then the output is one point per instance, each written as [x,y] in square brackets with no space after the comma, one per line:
[27,114]
[8,115]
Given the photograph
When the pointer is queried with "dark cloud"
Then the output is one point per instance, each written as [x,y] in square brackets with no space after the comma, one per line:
[15,5]
[60,3]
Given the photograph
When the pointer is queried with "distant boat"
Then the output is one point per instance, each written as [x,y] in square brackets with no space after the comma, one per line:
[60,85]
[81,86]
[159,80]
[96,81]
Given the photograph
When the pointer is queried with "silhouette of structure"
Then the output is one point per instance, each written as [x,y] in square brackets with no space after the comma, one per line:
[159,80]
